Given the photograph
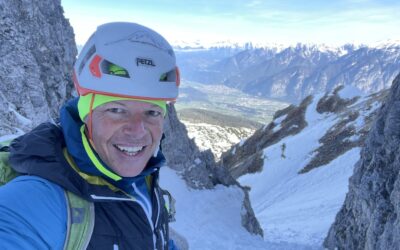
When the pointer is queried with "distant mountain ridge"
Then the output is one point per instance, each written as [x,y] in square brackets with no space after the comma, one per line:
[202,45]
[292,73]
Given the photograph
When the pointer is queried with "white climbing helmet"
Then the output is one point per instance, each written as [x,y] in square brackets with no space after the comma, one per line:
[127,60]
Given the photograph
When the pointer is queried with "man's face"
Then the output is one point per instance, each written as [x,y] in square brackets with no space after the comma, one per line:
[126,134]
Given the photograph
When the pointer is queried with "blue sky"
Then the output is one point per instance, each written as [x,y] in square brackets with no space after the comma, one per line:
[261,21]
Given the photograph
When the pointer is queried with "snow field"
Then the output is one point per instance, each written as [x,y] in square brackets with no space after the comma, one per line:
[211,220]
[299,208]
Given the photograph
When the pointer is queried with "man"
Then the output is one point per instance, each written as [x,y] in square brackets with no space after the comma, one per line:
[105,152]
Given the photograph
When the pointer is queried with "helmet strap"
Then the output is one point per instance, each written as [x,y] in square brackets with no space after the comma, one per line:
[90,120]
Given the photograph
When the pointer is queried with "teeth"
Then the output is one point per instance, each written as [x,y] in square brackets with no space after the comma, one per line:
[129,150]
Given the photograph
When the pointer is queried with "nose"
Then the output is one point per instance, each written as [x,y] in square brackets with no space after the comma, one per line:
[135,126]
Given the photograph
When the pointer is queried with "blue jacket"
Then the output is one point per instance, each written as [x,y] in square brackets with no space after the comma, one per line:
[33,208]
[33,214]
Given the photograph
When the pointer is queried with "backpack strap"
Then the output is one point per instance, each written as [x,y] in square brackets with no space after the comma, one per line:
[80,212]
[6,172]
[80,222]
[169,205]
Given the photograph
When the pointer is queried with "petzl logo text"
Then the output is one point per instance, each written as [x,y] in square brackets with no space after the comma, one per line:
[145,62]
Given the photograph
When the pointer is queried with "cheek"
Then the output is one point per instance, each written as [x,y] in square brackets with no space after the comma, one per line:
[102,131]
[157,131]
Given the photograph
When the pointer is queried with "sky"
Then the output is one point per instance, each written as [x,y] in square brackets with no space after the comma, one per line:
[258,21]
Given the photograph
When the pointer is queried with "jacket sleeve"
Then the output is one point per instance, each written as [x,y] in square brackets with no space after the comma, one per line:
[32,214]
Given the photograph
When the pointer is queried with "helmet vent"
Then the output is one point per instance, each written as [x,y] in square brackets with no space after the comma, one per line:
[169,76]
[113,69]
[86,58]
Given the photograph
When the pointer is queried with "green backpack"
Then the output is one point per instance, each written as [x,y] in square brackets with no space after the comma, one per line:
[80,213]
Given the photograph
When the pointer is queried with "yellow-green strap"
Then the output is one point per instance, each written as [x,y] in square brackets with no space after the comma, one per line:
[92,179]
[80,222]
[94,159]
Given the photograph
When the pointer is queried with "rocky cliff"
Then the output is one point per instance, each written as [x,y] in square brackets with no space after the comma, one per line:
[37,50]
[369,217]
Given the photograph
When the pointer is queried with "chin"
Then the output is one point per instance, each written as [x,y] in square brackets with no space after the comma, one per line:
[130,170]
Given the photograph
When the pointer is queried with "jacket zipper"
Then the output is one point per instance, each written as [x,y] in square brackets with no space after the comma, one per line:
[95,197]
[158,217]
[147,212]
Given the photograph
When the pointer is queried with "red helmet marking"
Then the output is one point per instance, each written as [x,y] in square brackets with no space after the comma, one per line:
[95,66]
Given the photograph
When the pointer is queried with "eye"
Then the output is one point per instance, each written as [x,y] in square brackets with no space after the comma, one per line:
[153,113]
[116,110]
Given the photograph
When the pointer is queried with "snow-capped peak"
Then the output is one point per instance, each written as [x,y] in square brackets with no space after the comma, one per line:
[199,44]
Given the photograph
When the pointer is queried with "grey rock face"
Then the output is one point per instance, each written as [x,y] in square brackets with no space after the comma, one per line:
[334,103]
[37,51]
[249,220]
[183,155]
[369,217]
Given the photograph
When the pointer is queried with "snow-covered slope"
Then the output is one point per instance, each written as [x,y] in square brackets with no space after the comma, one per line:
[210,219]
[303,177]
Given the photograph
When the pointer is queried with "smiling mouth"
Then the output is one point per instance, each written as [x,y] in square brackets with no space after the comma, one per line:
[131,151]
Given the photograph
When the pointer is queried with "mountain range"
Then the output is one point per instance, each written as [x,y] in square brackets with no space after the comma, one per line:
[294,72]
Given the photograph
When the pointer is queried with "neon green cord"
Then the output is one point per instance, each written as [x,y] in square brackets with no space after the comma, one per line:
[94,159]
